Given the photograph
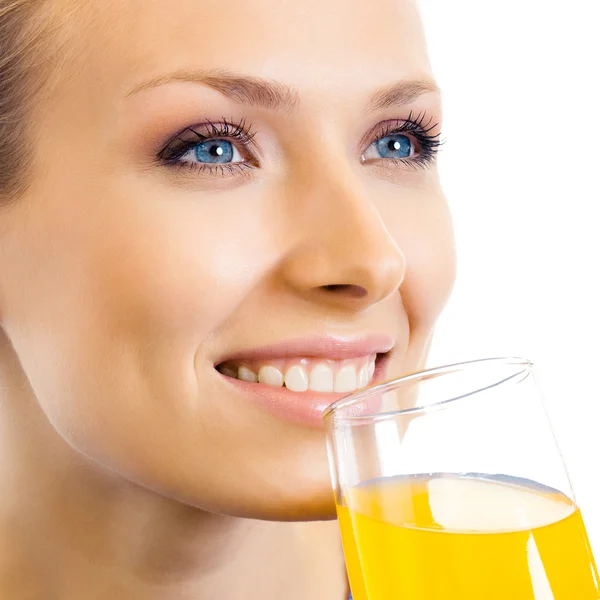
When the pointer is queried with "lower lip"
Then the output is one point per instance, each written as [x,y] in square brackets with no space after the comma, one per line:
[305,408]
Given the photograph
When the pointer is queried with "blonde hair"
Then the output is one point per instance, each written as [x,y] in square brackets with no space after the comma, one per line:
[24,53]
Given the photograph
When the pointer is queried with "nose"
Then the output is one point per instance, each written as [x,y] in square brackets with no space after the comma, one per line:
[344,255]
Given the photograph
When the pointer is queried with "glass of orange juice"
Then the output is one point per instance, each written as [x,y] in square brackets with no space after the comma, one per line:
[449,485]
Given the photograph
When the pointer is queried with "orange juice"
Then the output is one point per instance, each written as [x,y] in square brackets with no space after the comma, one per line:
[445,537]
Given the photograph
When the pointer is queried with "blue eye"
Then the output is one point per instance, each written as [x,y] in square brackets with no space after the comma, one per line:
[213,151]
[391,146]
[394,146]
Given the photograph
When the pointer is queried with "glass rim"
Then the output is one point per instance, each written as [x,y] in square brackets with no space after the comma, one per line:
[385,386]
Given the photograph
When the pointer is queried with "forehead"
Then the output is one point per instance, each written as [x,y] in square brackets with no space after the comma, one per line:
[304,43]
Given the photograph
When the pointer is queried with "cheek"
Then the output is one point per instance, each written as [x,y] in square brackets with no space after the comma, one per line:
[174,269]
[422,228]
[111,305]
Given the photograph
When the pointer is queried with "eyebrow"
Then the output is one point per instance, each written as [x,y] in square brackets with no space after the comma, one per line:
[244,89]
[273,95]
[402,93]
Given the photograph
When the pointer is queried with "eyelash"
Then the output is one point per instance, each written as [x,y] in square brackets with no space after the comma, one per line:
[420,128]
[416,126]
[189,138]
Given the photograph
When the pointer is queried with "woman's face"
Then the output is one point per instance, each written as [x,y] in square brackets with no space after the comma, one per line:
[222,194]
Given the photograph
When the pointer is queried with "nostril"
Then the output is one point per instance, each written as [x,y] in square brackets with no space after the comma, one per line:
[353,291]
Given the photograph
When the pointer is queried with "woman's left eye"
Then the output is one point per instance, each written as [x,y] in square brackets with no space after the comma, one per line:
[397,146]
[213,152]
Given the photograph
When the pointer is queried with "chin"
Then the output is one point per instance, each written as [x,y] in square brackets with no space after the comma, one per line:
[265,496]
[299,501]
[319,507]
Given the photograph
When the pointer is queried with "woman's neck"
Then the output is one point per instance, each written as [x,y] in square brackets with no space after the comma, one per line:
[67,527]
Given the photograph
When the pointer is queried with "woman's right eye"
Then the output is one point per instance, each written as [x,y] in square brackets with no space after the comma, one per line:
[211,148]
[213,151]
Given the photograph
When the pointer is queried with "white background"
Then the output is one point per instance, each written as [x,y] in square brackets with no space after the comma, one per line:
[521,169]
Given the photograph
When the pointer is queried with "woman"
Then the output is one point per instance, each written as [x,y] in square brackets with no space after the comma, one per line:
[215,221]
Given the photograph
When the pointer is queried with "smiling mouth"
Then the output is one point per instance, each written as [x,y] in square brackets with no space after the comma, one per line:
[305,374]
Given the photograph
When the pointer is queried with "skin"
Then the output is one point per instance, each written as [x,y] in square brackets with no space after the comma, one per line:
[130,468]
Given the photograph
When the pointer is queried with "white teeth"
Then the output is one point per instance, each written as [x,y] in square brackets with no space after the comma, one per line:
[326,377]
[345,380]
[321,379]
[246,374]
[296,379]
[371,369]
[363,377]
[270,376]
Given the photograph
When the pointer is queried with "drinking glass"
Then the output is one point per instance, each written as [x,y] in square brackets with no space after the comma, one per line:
[449,485]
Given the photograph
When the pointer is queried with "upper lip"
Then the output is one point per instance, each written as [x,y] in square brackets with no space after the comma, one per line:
[326,347]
